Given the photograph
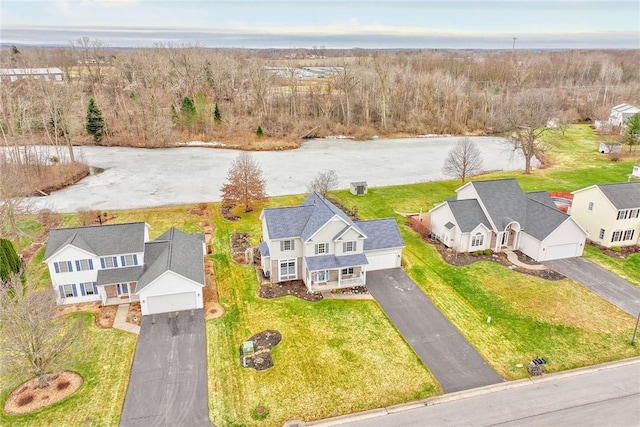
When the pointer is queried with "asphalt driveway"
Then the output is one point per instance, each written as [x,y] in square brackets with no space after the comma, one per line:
[612,288]
[168,382]
[447,354]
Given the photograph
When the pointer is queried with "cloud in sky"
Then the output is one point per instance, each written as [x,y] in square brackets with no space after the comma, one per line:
[616,20]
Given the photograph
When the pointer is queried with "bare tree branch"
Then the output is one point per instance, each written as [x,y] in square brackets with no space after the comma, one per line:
[245,184]
[464,160]
[324,182]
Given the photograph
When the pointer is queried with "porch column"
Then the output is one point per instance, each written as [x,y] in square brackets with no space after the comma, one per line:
[339,277]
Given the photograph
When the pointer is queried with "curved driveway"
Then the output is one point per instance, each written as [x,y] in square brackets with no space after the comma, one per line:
[448,355]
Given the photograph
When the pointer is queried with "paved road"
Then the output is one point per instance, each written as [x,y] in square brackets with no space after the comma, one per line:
[612,288]
[168,382]
[138,177]
[606,395]
[448,355]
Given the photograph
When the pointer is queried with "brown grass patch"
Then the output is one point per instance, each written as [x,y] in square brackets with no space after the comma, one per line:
[27,397]
[104,315]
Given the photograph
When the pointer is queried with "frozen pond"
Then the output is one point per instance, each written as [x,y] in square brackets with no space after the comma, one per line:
[136,177]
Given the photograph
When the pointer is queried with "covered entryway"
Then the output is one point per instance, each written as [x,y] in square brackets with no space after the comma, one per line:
[171,302]
[568,250]
[383,260]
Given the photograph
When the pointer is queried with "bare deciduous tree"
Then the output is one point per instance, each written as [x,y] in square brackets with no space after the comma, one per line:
[245,184]
[527,116]
[33,340]
[324,182]
[464,160]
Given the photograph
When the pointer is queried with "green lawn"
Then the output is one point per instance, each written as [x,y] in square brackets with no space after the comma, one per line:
[627,268]
[335,356]
[105,370]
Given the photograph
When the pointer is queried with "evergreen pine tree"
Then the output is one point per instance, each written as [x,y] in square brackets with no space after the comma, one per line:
[10,262]
[187,109]
[95,123]
[217,117]
[259,131]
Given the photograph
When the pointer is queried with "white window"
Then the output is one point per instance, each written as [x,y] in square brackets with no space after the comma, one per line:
[322,248]
[349,246]
[128,260]
[63,266]
[628,234]
[590,206]
[322,276]
[287,245]
[477,240]
[67,291]
[601,235]
[617,236]
[88,288]
[109,262]
[622,214]
[287,269]
[347,271]
[634,213]
[84,264]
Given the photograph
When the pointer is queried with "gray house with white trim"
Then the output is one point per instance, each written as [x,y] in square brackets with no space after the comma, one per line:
[117,264]
[319,244]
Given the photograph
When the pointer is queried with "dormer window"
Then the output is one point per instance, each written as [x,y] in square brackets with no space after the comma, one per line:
[350,246]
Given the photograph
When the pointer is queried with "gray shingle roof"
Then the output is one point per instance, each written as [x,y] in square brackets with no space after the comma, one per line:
[174,251]
[264,249]
[541,197]
[468,214]
[502,198]
[381,234]
[119,275]
[542,219]
[625,195]
[109,239]
[303,220]
[328,262]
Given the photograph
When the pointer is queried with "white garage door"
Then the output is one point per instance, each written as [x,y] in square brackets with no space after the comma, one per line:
[561,251]
[172,302]
[383,260]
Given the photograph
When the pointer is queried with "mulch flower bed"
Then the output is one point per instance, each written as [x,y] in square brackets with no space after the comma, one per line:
[27,397]
[239,245]
[623,253]
[293,287]
[227,212]
[261,358]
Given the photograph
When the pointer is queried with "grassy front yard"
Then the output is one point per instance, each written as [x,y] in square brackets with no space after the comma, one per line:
[628,269]
[105,370]
[335,356]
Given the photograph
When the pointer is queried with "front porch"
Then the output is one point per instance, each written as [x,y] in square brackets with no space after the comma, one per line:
[124,299]
[350,282]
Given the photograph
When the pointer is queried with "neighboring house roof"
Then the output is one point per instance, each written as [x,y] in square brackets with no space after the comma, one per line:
[303,220]
[119,275]
[326,262]
[381,234]
[626,108]
[468,214]
[174,251]
[263,247]
[542,197]
[109,239]
[625,195]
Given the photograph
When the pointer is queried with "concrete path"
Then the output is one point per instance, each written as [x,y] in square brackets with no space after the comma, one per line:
[120,321]
[168,381]
[614,289]
[604,395]
[448,355]
[330,295]
[513,259]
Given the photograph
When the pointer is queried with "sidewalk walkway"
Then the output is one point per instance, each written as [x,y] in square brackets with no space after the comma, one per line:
[330,295]
[120,322]
[513,259]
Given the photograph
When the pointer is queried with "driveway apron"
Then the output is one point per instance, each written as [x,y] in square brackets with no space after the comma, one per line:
[168,381]
[610,287]
[447,354]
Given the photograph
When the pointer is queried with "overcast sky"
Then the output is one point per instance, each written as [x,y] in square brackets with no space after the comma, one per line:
[303,23]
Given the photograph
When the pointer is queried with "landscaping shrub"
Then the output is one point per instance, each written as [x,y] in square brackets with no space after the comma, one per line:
[615,157]
[616,248]
[487,251]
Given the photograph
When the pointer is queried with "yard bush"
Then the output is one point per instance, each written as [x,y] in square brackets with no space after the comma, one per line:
[488,251]
[616,248]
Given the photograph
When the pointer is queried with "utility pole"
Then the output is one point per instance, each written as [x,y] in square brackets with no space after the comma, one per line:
[513,48]
[635,330]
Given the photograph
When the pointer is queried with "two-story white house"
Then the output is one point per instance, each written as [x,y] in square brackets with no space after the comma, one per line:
[609,212]
[319,244]
[117,264]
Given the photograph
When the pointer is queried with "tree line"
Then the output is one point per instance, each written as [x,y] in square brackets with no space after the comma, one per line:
[168,93]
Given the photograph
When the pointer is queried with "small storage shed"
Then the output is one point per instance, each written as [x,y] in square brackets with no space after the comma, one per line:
[610,147]
[358,188]
[636,171]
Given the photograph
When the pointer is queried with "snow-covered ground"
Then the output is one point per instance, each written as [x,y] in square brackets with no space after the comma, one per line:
[135,177]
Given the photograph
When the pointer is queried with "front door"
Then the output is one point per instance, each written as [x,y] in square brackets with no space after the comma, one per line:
[505,237]
[122,288]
